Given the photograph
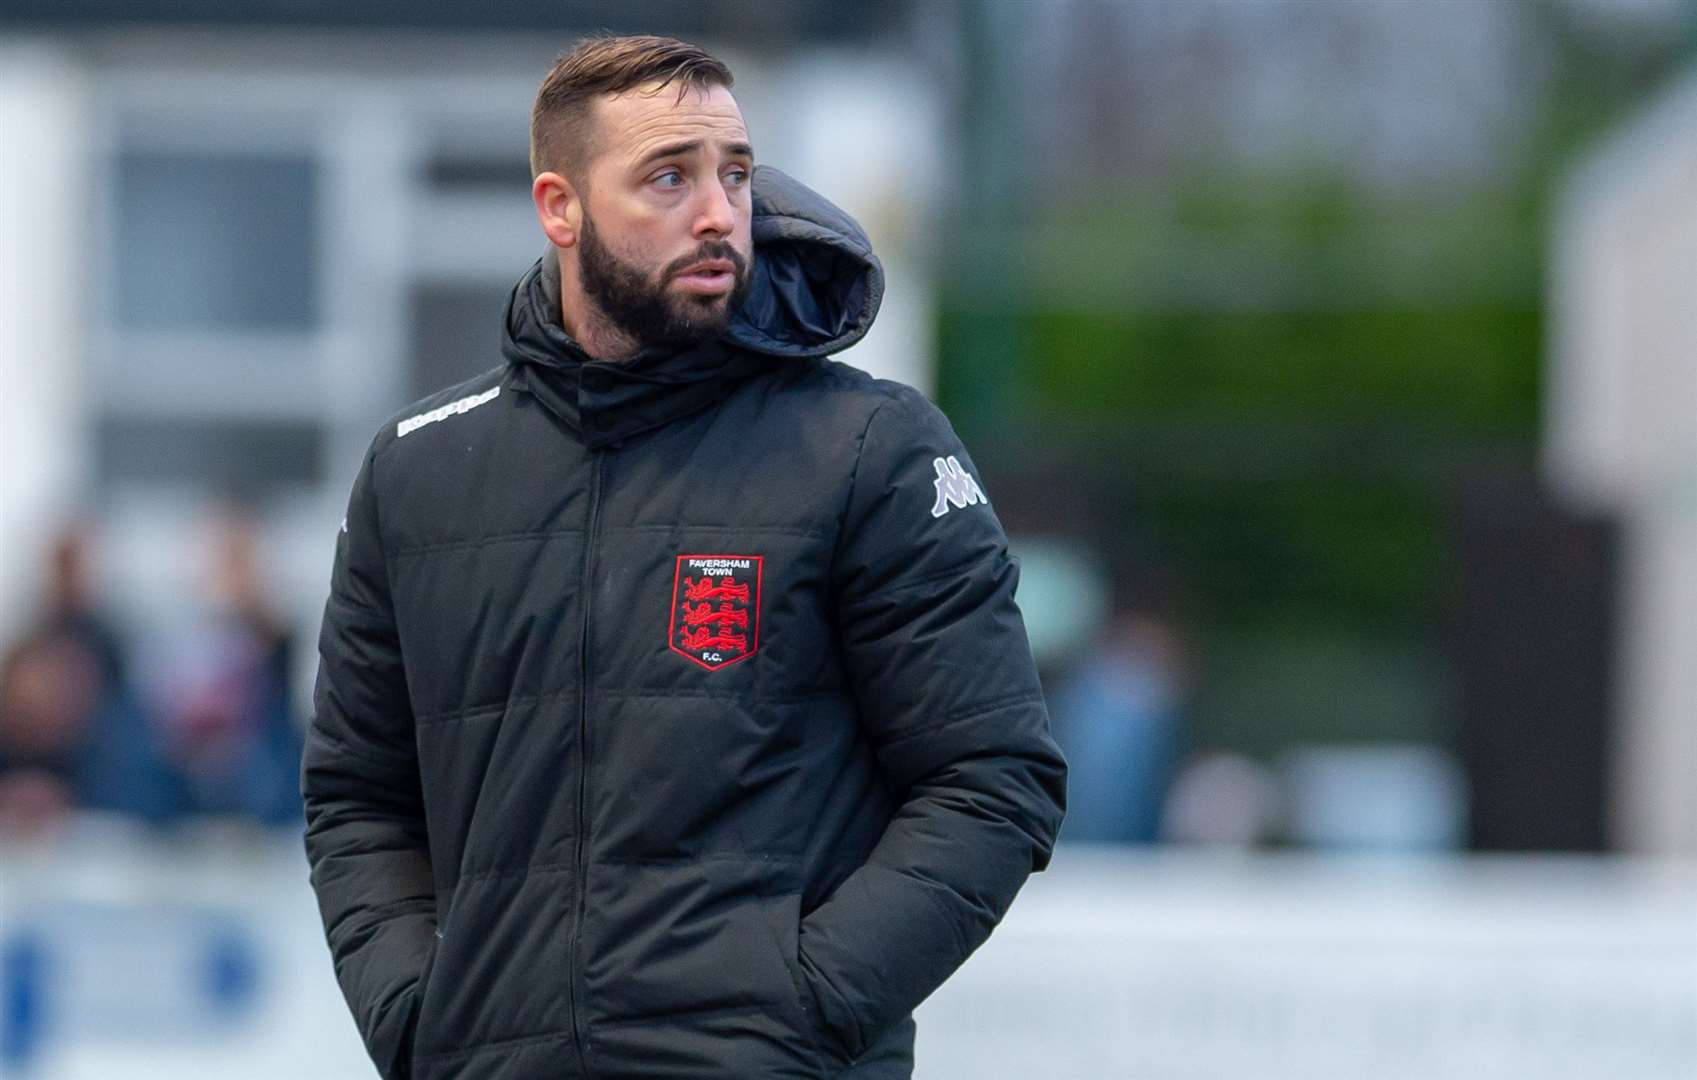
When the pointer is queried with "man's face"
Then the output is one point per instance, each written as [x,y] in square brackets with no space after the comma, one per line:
[665,245]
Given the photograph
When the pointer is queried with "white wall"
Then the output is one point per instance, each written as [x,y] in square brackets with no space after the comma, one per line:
[43,198]
[1622,437]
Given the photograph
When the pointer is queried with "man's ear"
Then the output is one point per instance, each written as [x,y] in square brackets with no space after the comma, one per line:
[558,208]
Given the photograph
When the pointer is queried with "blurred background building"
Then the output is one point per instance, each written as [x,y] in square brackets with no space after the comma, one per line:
[1332,364]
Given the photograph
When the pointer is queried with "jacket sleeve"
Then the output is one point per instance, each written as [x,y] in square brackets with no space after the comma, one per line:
[936,653]
[365,832]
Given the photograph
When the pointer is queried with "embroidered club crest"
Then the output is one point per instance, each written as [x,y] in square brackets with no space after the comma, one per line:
[715,608]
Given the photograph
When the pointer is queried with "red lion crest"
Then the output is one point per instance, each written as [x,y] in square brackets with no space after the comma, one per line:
[715,619]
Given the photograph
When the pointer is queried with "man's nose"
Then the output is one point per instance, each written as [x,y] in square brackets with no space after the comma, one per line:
[714,214]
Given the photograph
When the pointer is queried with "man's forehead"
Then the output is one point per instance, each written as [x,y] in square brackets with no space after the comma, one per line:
[633,123]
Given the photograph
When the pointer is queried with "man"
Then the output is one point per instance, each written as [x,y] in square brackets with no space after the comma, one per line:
[675,718]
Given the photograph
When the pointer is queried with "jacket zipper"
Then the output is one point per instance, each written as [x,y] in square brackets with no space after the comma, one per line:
[586,597]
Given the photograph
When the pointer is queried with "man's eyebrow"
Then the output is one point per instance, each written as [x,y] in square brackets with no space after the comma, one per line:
[678,149]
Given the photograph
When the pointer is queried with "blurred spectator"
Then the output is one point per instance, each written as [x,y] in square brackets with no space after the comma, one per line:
[70,735]
[71,610]
[49,690]
[1222,799]
[1117,718]
[223,714]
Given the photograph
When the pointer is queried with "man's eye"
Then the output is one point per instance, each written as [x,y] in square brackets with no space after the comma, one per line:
[671,178]
[737,177]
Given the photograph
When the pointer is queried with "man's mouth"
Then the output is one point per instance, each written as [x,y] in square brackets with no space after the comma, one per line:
[708,277]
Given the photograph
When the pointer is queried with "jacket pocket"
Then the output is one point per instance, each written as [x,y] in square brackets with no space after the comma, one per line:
[804,1010]
[419,1025]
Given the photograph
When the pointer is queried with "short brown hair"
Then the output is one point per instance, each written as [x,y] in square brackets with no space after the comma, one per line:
[608,65]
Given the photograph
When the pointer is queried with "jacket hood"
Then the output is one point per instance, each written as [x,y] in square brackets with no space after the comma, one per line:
[816,285]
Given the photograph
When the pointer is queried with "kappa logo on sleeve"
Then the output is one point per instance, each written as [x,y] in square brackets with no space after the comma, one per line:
[716,608]
[955,487]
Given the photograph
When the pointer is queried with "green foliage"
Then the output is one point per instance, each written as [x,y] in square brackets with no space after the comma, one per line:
[1293,464]
[1308,543]
[1468,372]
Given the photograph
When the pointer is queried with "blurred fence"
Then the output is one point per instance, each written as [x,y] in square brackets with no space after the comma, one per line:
[123,957]
[1168,965]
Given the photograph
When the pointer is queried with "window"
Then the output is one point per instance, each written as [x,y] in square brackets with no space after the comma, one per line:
[215,241]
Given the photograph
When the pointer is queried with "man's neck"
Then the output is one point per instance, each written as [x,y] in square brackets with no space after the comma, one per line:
[594,333]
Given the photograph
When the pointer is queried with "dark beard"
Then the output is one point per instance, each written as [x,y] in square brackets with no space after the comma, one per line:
[646,312]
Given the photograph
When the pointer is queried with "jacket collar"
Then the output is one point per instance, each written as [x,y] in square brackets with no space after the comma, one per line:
[605,403]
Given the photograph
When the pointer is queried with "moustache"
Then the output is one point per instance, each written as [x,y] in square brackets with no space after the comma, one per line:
[711,249]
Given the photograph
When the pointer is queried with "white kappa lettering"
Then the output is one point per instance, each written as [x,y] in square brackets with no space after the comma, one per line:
[452,408]
[955,487]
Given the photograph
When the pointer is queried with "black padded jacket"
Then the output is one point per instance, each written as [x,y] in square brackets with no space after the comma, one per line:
[674,718]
